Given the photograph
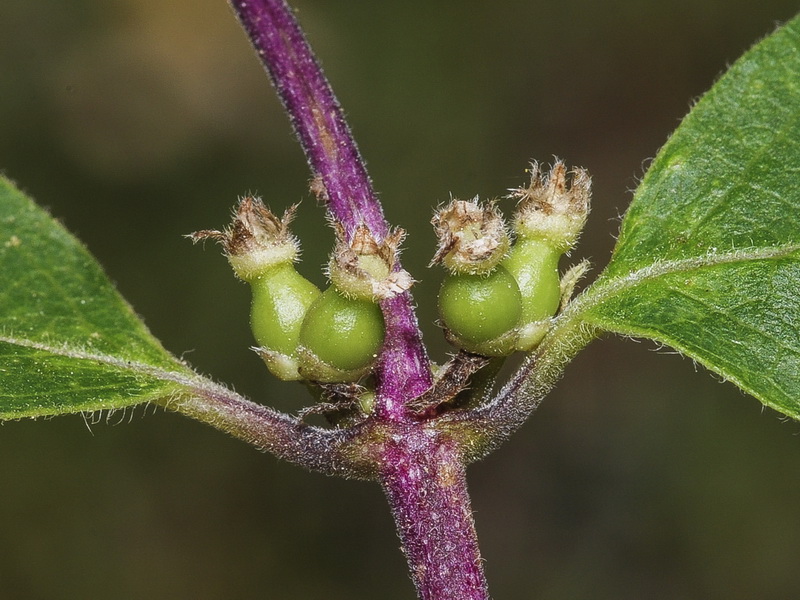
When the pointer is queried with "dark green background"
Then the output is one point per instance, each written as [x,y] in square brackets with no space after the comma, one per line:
[138,121]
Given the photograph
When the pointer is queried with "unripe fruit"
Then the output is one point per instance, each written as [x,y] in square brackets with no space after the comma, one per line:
[550,216]
[343,330]
[534,266]
[340,338]
[481,312]
[281,298]
[261,251]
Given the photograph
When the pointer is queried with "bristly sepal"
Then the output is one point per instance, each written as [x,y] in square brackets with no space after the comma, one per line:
[551,208]
[472,236]
[366,269]
[256,240]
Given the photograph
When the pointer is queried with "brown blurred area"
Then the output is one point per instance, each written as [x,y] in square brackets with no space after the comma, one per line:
[138,121]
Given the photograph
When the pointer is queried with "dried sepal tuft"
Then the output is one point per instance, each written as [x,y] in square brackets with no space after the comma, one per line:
[551,208]
[472,236]
[366,269]
[256,239]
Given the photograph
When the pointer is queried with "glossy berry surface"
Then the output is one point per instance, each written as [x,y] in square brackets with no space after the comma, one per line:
[534,265]
[281,298]
[478,309]
[343,333]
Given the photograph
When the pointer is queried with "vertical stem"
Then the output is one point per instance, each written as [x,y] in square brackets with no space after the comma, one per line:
[403,371]
[314,111]
[424,481]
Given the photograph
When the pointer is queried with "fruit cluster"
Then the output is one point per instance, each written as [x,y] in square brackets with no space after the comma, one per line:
[497,298]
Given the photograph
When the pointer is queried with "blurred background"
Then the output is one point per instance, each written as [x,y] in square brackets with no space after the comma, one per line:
[138,121]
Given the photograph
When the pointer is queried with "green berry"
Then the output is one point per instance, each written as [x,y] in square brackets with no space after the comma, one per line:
[261,250]
[281,298]
[534,265]
[340,337]
[481,312]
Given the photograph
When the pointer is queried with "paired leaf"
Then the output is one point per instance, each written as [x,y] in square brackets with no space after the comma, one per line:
[708,257]
[68,341]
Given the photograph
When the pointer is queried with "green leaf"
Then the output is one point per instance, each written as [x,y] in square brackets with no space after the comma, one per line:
[68,341]
[708,257]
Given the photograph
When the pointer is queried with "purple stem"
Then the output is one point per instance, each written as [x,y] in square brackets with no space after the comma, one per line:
[327,451]
[403,372]
[421,470]
[424,480]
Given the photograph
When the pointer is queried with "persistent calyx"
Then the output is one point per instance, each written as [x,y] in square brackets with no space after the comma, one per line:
[472,236]
[551,209]
[256,240]
[367,269]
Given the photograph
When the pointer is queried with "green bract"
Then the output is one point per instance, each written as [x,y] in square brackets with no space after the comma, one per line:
[481,312]
[281,297]
[340,338]
[534,266]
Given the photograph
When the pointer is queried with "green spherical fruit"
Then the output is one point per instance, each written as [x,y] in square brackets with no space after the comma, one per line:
[340,337]
[281,298]
[534,265]
[481,312]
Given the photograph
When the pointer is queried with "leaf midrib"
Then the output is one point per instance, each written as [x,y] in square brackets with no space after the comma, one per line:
[185,378]
[603,289]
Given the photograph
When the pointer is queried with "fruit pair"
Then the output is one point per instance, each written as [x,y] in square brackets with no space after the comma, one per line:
[302,333]
[499,298]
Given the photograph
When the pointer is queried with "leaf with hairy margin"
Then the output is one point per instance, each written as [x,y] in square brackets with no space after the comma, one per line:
[708,257]
[68,341]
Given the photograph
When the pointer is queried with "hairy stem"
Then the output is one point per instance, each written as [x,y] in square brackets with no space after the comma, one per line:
[314,111]
[328,451]
[489,425]
[403,372]
[424,481]
[421,469]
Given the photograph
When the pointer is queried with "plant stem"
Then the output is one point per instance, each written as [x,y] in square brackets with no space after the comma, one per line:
[421,469]
[423,477]
[328,451]
[403,371]
[488,425]
[314,111]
